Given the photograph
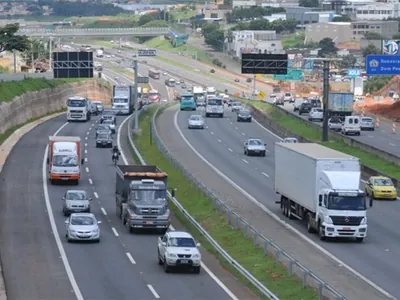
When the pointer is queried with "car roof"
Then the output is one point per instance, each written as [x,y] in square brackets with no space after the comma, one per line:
[379,177]
[255,139]
[76,191]
[198,116]
[83,215]
[180,234]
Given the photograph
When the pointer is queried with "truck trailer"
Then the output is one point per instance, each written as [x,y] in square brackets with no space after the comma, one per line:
[141,197]
[321,186]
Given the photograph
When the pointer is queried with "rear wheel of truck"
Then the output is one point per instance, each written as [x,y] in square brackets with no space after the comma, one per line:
[310,228]
[321,232]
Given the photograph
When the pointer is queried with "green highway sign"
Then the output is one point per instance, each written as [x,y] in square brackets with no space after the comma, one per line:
[292,74]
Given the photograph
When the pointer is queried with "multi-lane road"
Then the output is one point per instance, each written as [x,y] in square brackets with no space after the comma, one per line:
[39,264]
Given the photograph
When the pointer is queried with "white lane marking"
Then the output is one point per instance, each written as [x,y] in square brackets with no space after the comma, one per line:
[103,211]
[90,181]
[245,161]
[274,216]
[130,258]
[86,138]
[229,149]
[219,141]
[212,132]
[391,144]
[243,133]
[85,151]
[87,133]
[85,159]
[85,144]
[265,174]
[87,169]
[119,139]
[96,195]
[53,225]
[114,231]
[153,291]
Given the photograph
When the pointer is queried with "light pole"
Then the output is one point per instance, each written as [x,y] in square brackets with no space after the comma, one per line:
[136,85]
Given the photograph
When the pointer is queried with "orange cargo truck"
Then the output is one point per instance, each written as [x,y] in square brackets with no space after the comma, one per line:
[64,158]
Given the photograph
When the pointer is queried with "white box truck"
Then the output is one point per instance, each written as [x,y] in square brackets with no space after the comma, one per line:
[321,186]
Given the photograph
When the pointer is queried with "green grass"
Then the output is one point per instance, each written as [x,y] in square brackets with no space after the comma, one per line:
[251,257]
[9,90]
[313,133]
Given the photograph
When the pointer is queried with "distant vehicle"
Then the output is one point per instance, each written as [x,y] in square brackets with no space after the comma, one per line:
[249,80]
[196,122]
[212,71]
[104,140]
[351,125]
[189,89]
[187,102]
[170,82]
[82,227]
[123,99]
[108,114]
[290,140]
[78,109]
[110,124]
[288,97]
[255,147]
[272,96]
[153,73]
[315,102]
[100,106]
[380,187]
[183,86]
[230,102]
[201,101]
[367,123]
[178,249]
[305,108]
[297,104]
[214,107]
[335,123]
[237,80]
[279,101]
[244,115]
[236,106]
[181,81]
[316,114]
[75,201]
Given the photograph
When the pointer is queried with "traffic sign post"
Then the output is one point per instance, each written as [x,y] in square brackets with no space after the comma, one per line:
[261,95]
[260,63]
[382,65]
[354,73]
[147,52]
[292,74]
[143,80]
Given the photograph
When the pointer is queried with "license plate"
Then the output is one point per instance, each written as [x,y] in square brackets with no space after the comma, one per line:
[346,228]
[184,261]
[386,195]
[148,222]
[64,178]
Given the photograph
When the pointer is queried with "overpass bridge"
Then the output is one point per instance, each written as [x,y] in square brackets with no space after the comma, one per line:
[76,32]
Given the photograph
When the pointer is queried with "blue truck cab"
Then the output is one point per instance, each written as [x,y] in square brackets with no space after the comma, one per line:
[188,102]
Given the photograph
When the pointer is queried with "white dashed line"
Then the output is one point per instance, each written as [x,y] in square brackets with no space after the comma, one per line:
[103,211]
[85,144]
[85,138]
[212,132]
[87,169]
[229,149]
[87,133]
[243,133]
[219,141]
[90,181]
[392,144]
[153,291]
[114,231]
[245,161]
[265,174]
[85,159]
[130,258]
[371,136]
[85,151]
[236,128]
[96,195]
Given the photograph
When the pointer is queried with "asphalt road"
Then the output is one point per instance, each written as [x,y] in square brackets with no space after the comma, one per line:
[381,138]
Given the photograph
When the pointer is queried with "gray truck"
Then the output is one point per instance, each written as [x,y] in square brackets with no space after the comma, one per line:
[141,197]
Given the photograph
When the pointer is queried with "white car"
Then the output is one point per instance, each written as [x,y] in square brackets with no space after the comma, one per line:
[291,140]
[335,124]
[254,147]
[367,123]
[165,74]
[108,56]
[236,106]
[196,121]
[82,227]
[110,124]
[112,55]
[316,113]
[178,249]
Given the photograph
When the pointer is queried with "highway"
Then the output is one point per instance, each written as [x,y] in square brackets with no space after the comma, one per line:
[38,263]
[381,138]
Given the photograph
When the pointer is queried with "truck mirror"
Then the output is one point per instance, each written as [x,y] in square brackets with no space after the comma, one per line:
[164,244]
[82,161]
[66,222]
[48,160]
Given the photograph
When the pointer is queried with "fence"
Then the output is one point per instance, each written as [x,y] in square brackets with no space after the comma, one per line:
[22,76]
[236,221]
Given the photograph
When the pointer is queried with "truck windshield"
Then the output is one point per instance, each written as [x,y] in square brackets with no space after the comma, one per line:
[120,100]
[214,102]
[65,161]
[76,103]
[346,203]
[149,195]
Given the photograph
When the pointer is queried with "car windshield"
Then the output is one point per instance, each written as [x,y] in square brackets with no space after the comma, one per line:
[383,182]
[237,104]
[76,195]
[76,103]
[65,161]
[182,242]
[346,203]
[318,110]
[108,122]
[82,220]
[103,136]
[195,118]
[187,98]
[255,143]
[245,112]
[214,102]
[103,127]
[366,119]
[288,95]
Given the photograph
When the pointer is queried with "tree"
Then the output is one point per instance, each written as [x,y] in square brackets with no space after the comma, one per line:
[371,49]
[341,19]
[148,18]
[371,35]
[309,3]
[396,36]
[37,51]
[327,46]
[348,61]
[9,41]
[215,39]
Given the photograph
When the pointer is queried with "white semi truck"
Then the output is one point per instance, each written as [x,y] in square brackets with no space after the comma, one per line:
[321,186]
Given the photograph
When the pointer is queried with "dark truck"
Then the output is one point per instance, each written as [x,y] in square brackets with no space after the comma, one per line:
[141,197]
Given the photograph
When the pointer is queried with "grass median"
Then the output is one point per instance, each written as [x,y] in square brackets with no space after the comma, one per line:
[312,133]
[264,268]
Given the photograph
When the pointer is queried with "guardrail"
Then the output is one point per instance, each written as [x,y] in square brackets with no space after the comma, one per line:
[217,247]
[93,31]
[237,222]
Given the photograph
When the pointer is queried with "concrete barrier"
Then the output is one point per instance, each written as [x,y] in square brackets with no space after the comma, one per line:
[22,76]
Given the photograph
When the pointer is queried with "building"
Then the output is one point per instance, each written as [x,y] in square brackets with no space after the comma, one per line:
[254,41]
[345,7]
[275,17]
[307,15]
[378,11]
[385,28]
[244,3]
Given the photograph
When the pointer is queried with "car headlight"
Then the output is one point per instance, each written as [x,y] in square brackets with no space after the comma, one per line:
[95,231]
[72,231]
[196,256]
[364,221]
[328,220]
[171,254]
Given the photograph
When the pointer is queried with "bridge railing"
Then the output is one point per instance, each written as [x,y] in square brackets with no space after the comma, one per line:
[28,31]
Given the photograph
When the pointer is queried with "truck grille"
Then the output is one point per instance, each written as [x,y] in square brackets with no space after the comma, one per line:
[346,221]
[184,255]
[149,211]
[76,111]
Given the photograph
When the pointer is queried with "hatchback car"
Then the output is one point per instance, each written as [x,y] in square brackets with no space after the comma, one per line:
[82,227]
[367,123]
[196,122]
[244,115]
[290,140]
[316,114]
[380,187]
[297,103]
[236,106]
[335,123]
[110,124]
[75,201]
[254,147]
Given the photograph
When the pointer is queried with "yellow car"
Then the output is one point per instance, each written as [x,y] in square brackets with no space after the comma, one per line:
[379,187]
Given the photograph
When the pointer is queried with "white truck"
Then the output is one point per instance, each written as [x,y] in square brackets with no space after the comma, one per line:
[321,186]
[211,92]
[99,53]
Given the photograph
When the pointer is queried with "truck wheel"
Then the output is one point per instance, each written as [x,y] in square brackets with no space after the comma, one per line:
[321,232]
[288,209]
[310,229]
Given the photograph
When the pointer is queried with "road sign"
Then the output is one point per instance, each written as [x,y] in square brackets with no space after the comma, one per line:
[382,64]
[143,80]
[147,52]
[258,76]
[353,73]
[260,63]
[292,74]
[261,95]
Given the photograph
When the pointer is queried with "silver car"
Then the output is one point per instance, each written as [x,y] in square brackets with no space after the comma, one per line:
[236,106]
[367,123]
[82,227]
[291,140]
[75,201]
[335,124]
[196,121]
[100,106]
[110,124]
[254,147]
[297,103]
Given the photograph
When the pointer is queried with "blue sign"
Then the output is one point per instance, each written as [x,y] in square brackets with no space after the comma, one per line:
[353,73]
[308,64]
[382,64]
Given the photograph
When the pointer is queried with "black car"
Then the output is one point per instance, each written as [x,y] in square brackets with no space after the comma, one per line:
[244,115]
[305,108]
[104,139]
[230,102]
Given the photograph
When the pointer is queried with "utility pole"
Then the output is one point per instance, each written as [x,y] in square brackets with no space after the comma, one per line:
[50,54]
[254,88]
[135,70]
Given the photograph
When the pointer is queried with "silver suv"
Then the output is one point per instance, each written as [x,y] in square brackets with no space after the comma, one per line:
[254,147]
[75,201]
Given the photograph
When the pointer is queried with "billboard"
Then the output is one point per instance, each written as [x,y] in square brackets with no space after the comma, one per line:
[391,47]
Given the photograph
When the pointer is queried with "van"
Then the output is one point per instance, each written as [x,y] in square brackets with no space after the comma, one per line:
[351,125]
[187,102]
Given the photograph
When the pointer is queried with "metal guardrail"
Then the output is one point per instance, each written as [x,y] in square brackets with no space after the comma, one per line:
[92,31]
[220,250]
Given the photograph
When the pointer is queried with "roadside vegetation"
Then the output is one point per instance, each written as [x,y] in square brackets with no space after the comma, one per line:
[264,268]
[298,127]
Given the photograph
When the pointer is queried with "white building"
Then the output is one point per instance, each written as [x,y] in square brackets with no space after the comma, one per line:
[378,11]
[275,17]
[244,3]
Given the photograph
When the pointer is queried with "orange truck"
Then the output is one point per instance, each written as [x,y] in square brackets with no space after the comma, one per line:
[64,159]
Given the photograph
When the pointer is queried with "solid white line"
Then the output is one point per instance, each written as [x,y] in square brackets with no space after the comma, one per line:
[243,133]
[85,159]
[114,231]
[212,132]
[90,181]
[119,139]
[96,195]
[87,169]
[53,225]
[392,144]
[103,211]
[229,149]
[85,151]
[273,215]
[130,258]
[265,174]
[219,141]
[245,161]
[153,291]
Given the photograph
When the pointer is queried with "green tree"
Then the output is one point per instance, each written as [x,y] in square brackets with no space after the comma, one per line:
[371,35]
[371,49]
[348,61]
[148,18]
[9,41]
[309,3]
[341,19]
[156,23]
[215,39]
[37,51]
[327,46]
